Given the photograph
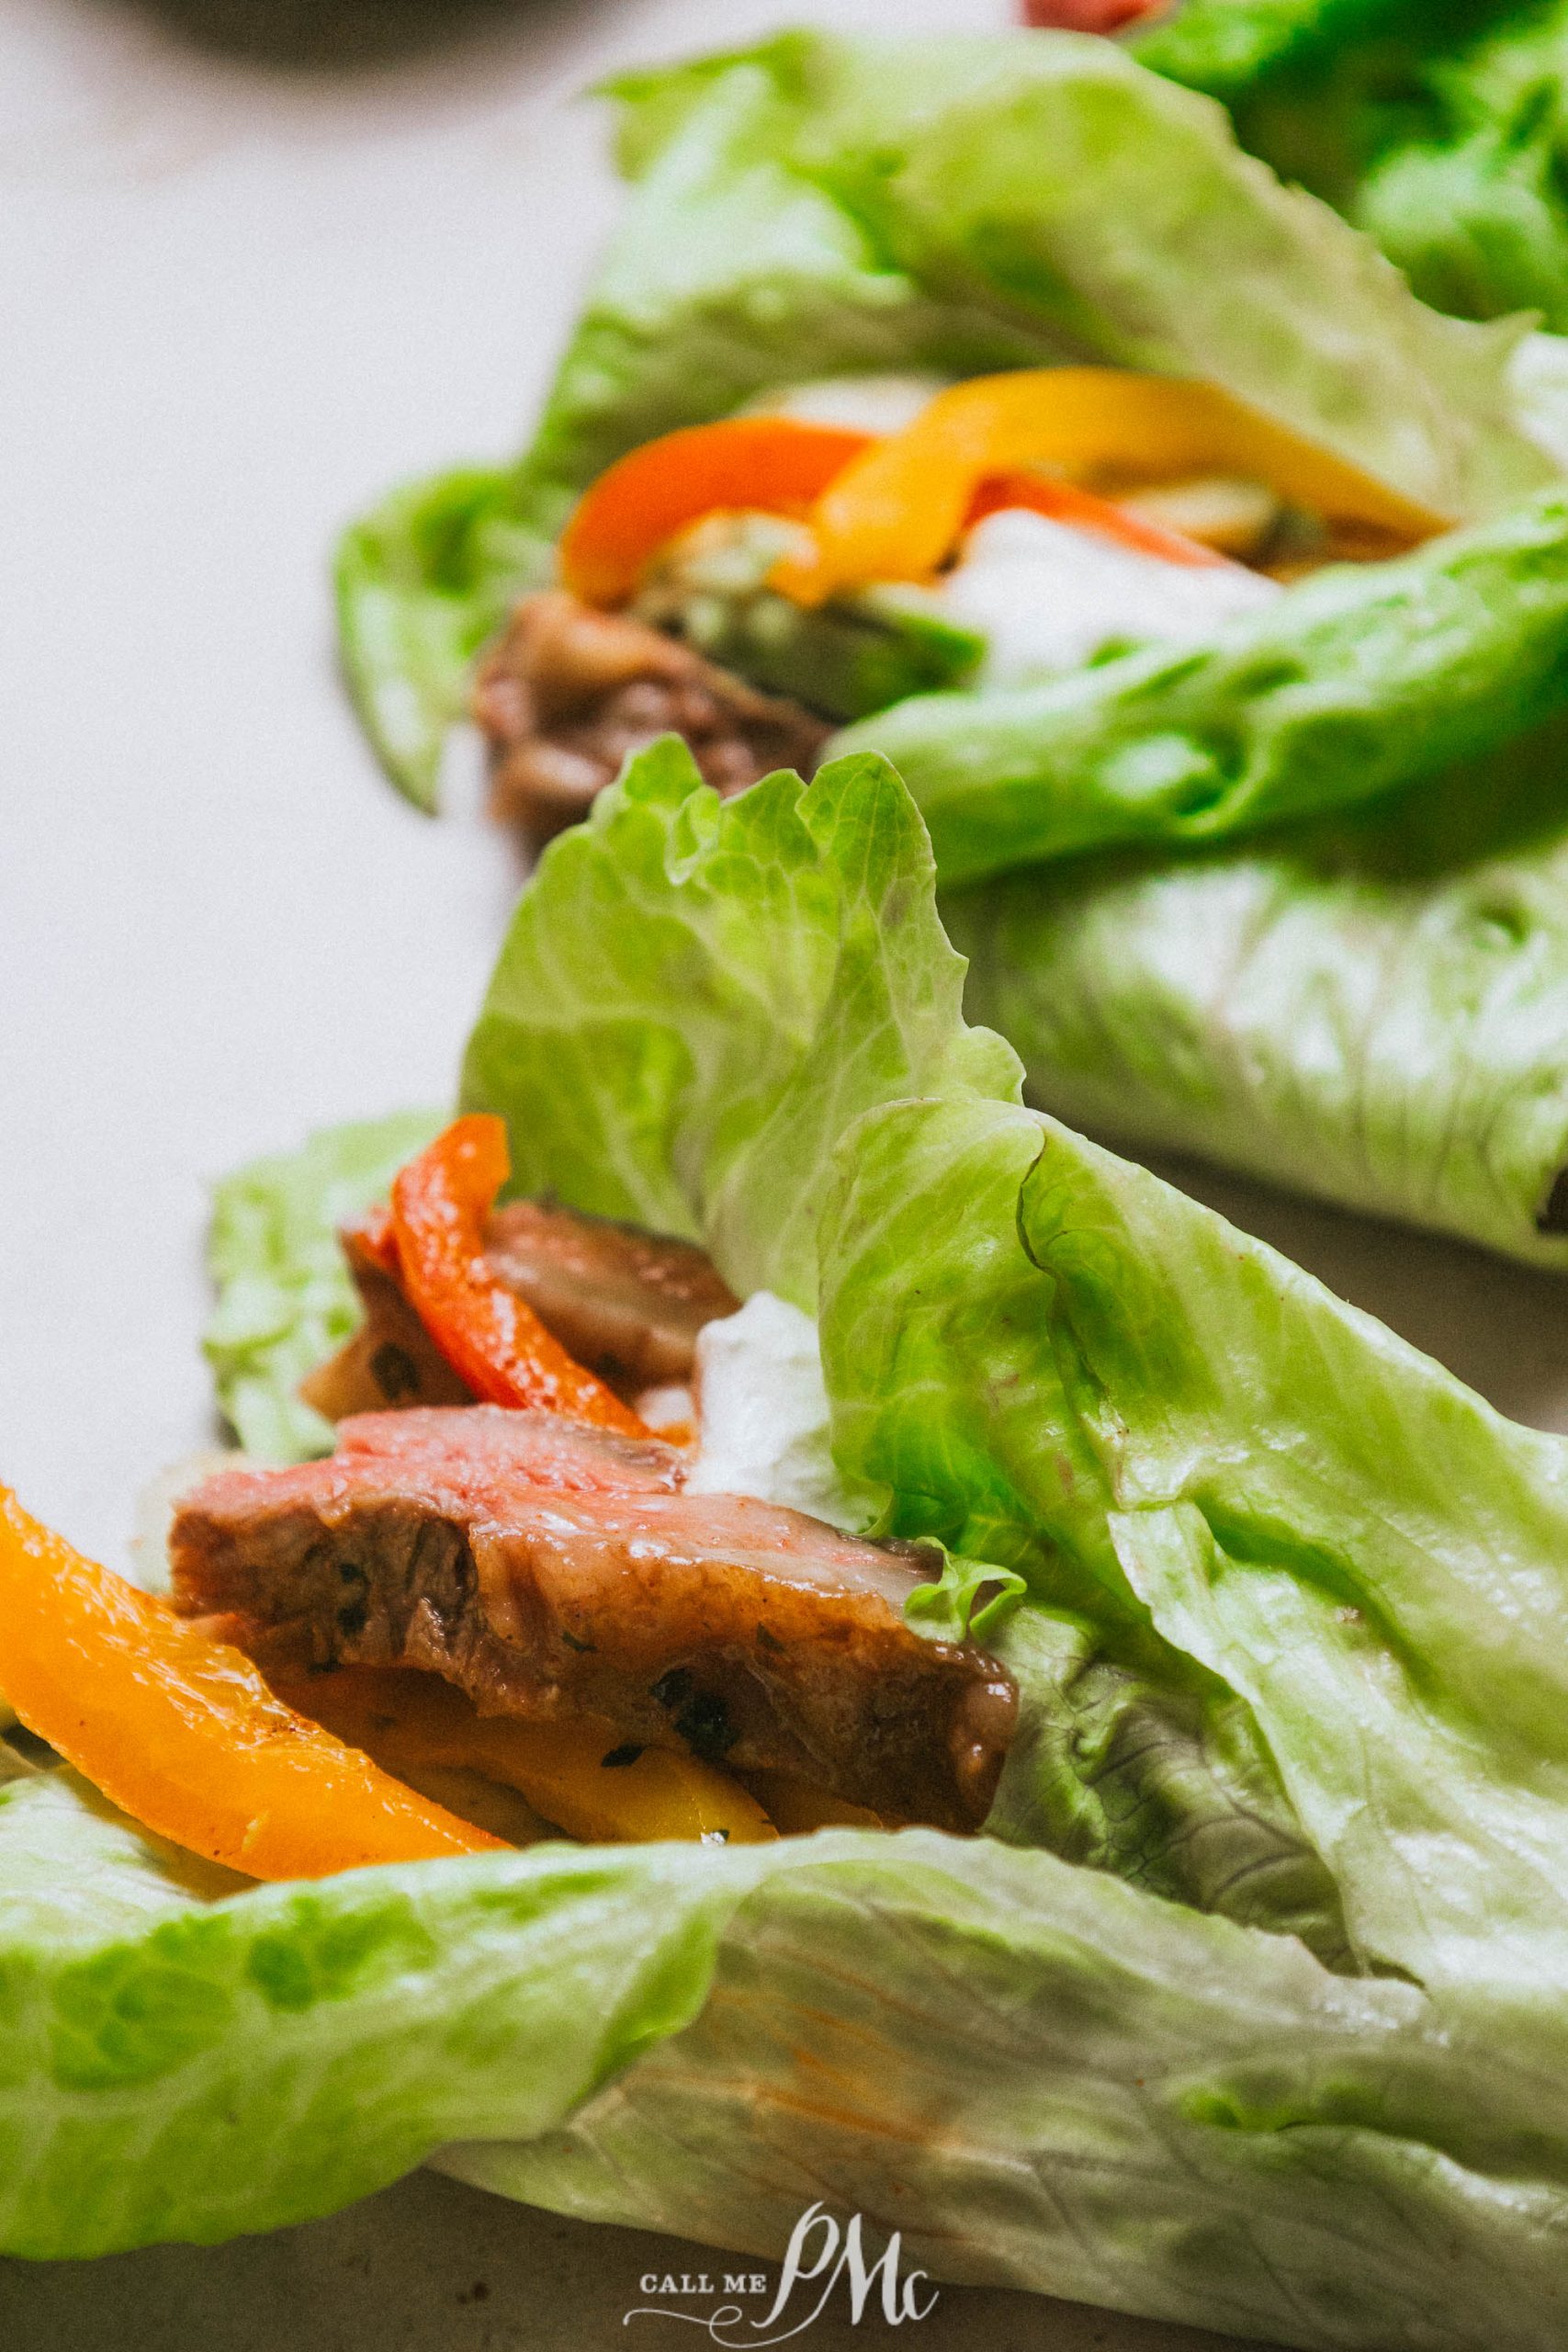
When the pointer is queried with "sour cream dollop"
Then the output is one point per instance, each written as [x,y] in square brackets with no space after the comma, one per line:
[763,1415]
[1048,597]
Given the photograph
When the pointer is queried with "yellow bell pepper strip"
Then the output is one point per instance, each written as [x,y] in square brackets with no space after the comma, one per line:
[796,1807]
[490,1338]
[895,512]
[408,1720]
[773,465]
[182,1731]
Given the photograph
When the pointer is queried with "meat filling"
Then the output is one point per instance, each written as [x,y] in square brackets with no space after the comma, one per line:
[627,1304]
[556,1571]
[568,692]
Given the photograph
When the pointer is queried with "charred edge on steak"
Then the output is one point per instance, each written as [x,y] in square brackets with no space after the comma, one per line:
[567,693]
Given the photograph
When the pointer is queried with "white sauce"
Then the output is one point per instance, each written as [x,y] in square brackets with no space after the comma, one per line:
[1048,598]
[764,1418]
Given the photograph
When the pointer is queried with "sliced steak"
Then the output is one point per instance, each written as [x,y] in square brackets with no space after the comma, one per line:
[391,1361]
[627,1303]
[553,1570]
[568,692]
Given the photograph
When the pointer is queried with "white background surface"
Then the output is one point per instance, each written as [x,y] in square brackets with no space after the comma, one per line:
[237,301]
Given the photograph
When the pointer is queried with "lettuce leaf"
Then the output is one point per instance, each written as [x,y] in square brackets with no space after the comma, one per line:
[422,583]
[730,273]
[1289,1652]
[284,1298]
[1437,126]
[1319,88]
[697,998]
[1373,1010]
[1128,2102]
[1363,679]
[817,207]
[1370,1554]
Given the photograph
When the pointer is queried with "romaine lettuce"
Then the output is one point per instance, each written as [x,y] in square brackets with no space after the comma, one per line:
[1374,1011]
[1365,678]
[697,998]
[1435,125]
[1051,2080]
[285,1299]
[818,207]
[1289,1649]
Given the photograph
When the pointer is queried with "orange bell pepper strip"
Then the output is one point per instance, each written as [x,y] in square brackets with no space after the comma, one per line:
[1063,502]
[773,465]
[895,512]
[182,1732]
[490,1338]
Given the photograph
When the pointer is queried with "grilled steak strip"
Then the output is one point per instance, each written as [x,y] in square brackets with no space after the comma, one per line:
[553,1570]
[628,1305]
[567,693]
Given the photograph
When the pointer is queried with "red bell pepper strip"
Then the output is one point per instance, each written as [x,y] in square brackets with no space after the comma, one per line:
[1089,15]
[773,465]
[490,1338]
[1063,502]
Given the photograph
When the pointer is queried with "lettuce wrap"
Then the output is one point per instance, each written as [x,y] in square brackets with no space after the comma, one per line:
[1249,2012]
[819,207]
[1330,1004]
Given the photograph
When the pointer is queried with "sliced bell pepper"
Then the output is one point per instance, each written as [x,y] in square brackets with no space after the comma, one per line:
[412,1720]
[490,1338]
[182,1732]
[1088,15]
[1063,502]
[895,512]
[773,465]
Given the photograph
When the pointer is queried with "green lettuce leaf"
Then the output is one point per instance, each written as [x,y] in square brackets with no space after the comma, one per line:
[1129,2102]
[422,583]
[1368,1553]
[818,207]
[284,1298]
[697,998]
[1363,679]
[1437,126]
[1288,1649]
[1374,1012]
[1319,88]
[730,273]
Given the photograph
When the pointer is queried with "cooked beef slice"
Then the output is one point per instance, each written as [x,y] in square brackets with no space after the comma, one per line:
[627,1303]
[554,1570]
[391,1360]
[567,691]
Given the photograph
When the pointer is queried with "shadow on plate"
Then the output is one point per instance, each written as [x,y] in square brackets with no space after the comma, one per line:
[331,35]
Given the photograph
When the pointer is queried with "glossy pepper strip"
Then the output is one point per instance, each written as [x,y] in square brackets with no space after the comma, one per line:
[773,465]
[895,512]
[490,1338]
[183,1733]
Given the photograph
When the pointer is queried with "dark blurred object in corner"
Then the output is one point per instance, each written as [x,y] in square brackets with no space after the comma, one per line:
[1089,15]
[345,33]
